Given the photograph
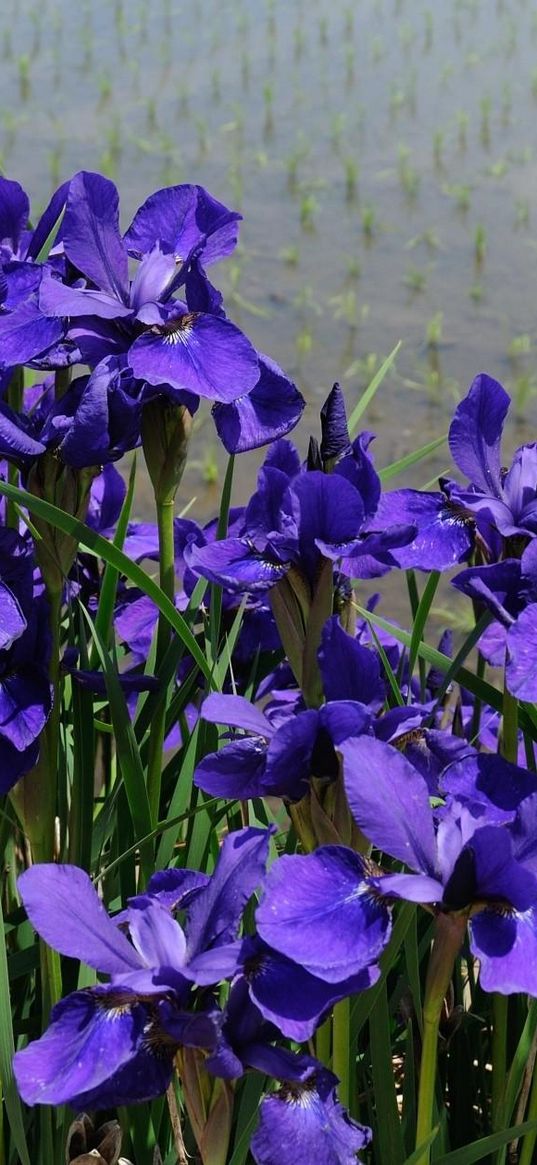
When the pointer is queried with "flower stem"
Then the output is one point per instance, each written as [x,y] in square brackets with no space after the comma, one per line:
[450,929]
[528,1146]
[341,1055]
[508,747]
[165,516]
[35,795]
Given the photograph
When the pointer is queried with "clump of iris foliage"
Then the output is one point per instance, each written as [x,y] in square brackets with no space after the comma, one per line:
[280,854]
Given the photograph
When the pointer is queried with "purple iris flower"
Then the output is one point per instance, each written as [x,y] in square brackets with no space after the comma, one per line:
[445,531]
[304,1122]
[509,590]
[24,332]
[184,348]
[115,1044]
[295,519]
[288,744]
[25,691]
[507,499]
[475,856]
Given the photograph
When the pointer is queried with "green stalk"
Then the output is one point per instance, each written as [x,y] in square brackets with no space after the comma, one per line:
[450,930]
[165,516]
[323,1043]
[341,1055]
[527,1151]
[500,1003]
[35,796]
[15,394]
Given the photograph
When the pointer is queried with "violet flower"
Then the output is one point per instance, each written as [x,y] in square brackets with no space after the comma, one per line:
[115,1044]
[475,857]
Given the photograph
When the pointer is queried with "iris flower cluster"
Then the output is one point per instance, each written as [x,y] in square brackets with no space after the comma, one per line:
[395,789]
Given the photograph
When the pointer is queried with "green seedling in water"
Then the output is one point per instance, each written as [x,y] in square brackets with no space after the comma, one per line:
[24,76]
[369,219]
[304,341]
[289,255]
[415,279]
[519,346]
[498,169]
[336,129]
[463,121]
[354,268]
[476,292]
[351,178]
[308,208]
[522,215]
[435,330]
[438,147]
[460,192]
[345,307]
[484,129]
[480,243]
[105,88]
[524,388]
[323,30]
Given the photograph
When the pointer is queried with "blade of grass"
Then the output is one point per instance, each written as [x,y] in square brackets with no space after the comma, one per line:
[420,619]
[397,467]
[128,754]
[389,1136]
[7,1048]
[95,544]
[371,389]
[480,1149]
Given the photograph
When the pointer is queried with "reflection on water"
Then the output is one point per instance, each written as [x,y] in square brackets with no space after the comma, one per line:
[382,152]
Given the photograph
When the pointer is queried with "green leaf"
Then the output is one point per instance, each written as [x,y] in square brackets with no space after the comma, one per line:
[389,1135]
[371,389]
[128,754]
[416,1158]
[95,544]
[420,619]
[7,1048]
[403,463]
[480,1149]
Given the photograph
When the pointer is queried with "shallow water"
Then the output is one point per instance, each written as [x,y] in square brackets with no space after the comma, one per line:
[382,152]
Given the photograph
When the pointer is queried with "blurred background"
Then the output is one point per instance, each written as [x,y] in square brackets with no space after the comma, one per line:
[383,154]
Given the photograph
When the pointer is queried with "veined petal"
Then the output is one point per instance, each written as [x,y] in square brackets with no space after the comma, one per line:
[475,433]
[317,910]
[25,333]
[215,913]
[235,771]
[506,946]
[389,801]
[198,353]
[92,1035]
[90,233]
[63,906]
[58,299]
[236,564]
[182,218]
[12,620]
[237,712]
[272,408]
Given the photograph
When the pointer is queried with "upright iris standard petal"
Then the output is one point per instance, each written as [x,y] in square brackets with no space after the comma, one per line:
[183,219]
[475,433]
[63,906]
[327,512]
[198,353]
[304,1123]
[318,911]
[215,913]
[14,214]
[272,408]
[348,670]
[389,801]
[90,233]
[335,440]
[91,1036]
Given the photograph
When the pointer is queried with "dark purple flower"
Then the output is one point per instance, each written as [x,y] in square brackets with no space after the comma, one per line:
[304,1122]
